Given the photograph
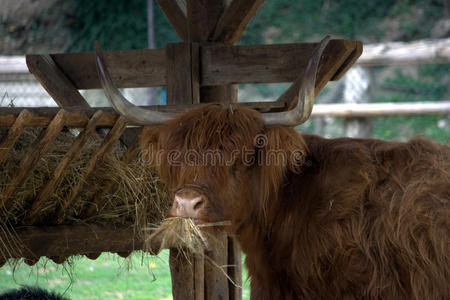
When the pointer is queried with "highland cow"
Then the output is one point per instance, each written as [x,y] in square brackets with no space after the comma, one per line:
[317,218]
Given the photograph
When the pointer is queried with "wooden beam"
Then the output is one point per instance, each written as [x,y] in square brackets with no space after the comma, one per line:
[13,134]
[220,64]
[181,74]
[349,62]
[78,117]
[203,16]
[234,20]
[381,109]
[54,81]
[176,13]
[75,239]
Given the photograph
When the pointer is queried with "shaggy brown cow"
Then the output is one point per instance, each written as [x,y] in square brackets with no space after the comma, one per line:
[317,218]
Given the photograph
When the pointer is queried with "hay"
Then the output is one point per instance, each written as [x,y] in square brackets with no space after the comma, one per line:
[179,233]
[136,194]
[132,193]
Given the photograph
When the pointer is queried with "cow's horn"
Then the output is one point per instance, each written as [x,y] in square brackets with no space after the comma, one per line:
[133,113]
[304,89]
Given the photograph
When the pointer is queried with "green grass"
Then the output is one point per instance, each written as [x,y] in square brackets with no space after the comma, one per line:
[108,277]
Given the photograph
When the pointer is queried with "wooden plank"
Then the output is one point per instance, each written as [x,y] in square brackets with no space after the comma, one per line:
[54,81]
[234,20]
[234,269]
[216,282]
[58,174]
[13,134]
[176,13]
[67,240]
[335,55]
[128,68]
[34,153]
[195,72]
[220,64]
[349,62]
[79,117]
[179,73]
[199,277]
[111,138]
[381,109]
[182,274]
[203,16]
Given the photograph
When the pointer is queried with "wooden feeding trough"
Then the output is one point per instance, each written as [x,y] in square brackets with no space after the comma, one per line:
[205,67]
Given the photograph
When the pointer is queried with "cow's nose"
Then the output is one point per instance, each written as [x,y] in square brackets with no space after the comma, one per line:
[185,205]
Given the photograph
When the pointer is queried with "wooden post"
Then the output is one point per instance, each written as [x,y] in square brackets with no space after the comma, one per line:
[194,277]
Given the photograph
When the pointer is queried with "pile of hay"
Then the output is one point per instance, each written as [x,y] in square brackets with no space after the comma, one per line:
[132,193]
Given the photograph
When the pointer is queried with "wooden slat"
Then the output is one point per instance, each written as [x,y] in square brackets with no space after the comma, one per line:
[182,274]
[234,269]
[58,174]
[34,153]
[67,240]
[217,283]
[350,61]
[220,65]
[179,68]
[333,59]
[176,12]
[235,19]
[99,198]
[111,138]
[54,81]
[203,16]
[269,63]
[79,117]
[13,134]
[199,277]
[128,68]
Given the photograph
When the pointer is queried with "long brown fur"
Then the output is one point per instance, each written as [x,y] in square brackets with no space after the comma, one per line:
[337,219]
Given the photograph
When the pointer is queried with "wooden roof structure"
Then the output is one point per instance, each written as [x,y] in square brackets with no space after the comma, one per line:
[205,67]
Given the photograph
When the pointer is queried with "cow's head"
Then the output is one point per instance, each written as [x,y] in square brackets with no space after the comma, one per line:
[223,161]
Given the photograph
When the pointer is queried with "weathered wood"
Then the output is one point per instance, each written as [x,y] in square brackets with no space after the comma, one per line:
[349,62]
[234,269]
[128,68]
[182,274]
[381,109]
[176,13]
[54,81]
[215,267]
[220,64]
[108,143]
[406,53]
[79,117]
[202,18]
[199,277]
[58,173]
[179,74]
[234,20]
[13,134]
[34,153]
[67,240]
[223,65]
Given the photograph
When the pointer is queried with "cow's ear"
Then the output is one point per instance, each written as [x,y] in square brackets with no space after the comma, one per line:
[148,143]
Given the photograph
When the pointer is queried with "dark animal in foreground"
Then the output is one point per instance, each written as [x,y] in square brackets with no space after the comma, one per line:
[30,293]
[317,218]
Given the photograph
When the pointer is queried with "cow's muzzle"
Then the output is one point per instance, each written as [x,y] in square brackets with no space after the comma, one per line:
[188,203]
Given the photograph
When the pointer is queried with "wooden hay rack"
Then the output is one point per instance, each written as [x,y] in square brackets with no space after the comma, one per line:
[205,67]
